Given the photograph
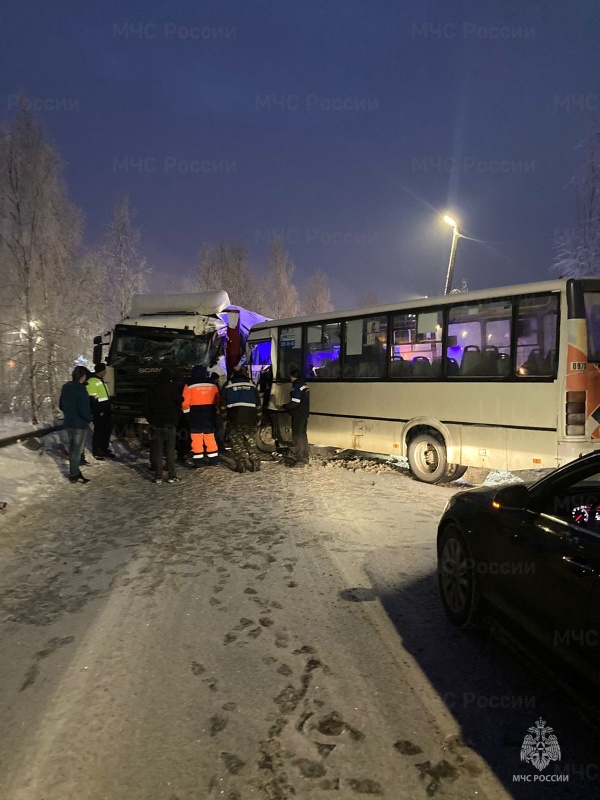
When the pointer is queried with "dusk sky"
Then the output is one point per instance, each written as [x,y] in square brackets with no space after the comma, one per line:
[347,125]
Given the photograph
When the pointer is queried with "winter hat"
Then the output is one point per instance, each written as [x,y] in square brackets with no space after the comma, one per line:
[99,368]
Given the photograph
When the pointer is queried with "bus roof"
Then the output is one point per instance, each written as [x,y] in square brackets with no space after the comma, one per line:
[426,302]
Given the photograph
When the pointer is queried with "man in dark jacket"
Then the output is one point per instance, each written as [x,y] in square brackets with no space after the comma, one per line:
[161,406]
[240,406]
[75,404]
[299,410]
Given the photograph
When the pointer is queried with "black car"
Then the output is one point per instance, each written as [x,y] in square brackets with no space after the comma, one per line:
[531,555]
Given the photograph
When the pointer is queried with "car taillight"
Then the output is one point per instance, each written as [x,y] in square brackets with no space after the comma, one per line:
[575,414]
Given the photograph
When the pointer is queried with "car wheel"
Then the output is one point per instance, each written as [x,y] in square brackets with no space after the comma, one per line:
[457,580]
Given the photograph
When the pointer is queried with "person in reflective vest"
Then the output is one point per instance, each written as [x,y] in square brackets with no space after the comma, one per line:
[240,406]
[201,401]
[101,409]
[299,410]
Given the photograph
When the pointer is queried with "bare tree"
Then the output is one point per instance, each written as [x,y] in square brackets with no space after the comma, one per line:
[282,295]
[126,269]
[225,267]
[578,247]
[39,235]
[317,297]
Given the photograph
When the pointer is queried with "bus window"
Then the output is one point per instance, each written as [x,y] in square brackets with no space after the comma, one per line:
[260,359]
[537,319]
[416,345]
[323,350]
[289,352]
[479,340]
[365,347]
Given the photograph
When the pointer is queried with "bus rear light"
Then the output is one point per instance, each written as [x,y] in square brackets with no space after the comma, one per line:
[575,414]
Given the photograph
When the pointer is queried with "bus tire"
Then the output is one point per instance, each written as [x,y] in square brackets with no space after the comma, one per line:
[427,458]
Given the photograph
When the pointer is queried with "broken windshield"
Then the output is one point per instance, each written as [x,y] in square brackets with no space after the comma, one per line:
[157,350]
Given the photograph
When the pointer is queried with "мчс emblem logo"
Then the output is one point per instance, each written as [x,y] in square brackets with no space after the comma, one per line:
[540,746]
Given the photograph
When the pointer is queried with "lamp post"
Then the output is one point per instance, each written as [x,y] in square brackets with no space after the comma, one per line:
[455,238]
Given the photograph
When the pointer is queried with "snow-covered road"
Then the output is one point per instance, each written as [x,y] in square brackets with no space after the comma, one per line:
[268,636]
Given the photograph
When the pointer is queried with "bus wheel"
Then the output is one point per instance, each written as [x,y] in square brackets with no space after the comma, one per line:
[264,438]
[427,458]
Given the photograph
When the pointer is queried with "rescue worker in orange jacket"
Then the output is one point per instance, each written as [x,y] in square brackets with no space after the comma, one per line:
[201,402]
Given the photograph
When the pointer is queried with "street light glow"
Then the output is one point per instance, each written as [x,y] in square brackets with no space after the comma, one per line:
[450,221]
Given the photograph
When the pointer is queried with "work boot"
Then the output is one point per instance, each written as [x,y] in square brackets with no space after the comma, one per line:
[240,468]
[109,454]
[99,457]
[255,466]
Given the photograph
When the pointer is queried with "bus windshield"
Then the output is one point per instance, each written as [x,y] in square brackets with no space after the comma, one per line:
[155,349]
[592,313]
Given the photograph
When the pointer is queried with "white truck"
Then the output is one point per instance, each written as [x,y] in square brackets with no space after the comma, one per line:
[176,331]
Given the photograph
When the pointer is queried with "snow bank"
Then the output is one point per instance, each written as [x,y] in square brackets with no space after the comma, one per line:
[11,424]
[25,472]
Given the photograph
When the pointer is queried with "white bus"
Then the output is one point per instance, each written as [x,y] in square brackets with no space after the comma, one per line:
[503,378]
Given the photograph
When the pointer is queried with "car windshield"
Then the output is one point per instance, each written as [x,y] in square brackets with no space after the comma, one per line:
[149,350]
[592,313]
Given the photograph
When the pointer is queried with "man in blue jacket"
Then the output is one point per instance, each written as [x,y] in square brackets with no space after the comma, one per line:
[240,405]
[299,410]
[75,404]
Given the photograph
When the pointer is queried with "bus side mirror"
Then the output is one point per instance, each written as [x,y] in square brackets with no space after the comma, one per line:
[512,498]
[97,351]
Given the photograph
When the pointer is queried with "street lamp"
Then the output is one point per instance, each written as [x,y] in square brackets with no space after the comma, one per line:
[455,237]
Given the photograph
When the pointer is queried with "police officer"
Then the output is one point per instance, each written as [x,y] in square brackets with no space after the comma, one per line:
[299,410]
[101,409]
[240,406]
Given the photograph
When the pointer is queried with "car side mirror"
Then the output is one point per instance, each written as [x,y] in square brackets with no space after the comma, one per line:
[512,498]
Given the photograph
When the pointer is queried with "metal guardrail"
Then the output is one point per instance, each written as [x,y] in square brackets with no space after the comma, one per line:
[19,437]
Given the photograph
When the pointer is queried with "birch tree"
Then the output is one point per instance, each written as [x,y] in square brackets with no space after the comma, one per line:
[281,294]
[317,297]
[578,247]
[39,236]
[126,270]
[225,267]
